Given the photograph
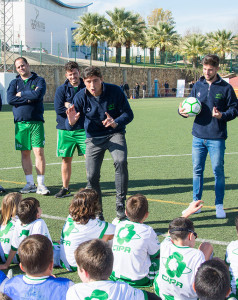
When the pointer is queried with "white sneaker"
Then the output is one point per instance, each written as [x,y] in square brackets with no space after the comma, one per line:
[197,212]
[28,188]
[220,213]
[42,190]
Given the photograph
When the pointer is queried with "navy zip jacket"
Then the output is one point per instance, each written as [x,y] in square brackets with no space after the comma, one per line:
[221,95]
[66,93]
[113,101]
[28,107]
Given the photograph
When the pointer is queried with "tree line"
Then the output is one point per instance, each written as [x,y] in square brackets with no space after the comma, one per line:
[126,28]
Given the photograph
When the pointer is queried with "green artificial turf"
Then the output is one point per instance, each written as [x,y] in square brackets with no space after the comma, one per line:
[160,166]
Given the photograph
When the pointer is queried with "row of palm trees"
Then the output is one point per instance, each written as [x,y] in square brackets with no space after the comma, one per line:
[125,28]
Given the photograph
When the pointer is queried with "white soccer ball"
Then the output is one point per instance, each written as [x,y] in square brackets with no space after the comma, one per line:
[192,106]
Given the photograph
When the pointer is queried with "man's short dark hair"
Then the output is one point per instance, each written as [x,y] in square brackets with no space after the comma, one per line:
[136,207]
[36,254]
[91,71]
[27,210]
[22,58]
[212,280]
[211,59]
[96,258]
[184,226]
[70,65]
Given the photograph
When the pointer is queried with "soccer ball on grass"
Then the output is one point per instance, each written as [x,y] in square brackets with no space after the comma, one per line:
[192,106]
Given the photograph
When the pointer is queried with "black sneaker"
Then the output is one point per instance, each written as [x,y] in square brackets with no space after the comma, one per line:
[2,190]
[63,193]
[100,216]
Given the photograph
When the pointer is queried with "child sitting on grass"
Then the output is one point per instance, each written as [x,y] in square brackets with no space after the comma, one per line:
[29,213]
[231,260]
[212,280]
[135,246]
[82,225]
[36,260]
[95,259]
[179,260]
[8,222]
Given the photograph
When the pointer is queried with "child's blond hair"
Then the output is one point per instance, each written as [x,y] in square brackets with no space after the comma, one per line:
[9,207]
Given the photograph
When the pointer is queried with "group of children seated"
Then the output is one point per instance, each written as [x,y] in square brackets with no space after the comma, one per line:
[112,261]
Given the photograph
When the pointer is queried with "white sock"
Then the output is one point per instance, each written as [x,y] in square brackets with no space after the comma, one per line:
[30,179]
[40,179]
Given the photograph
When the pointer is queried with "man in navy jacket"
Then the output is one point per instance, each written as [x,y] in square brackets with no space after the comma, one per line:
[219,105]
[107,112]
[67,141]
[25,94]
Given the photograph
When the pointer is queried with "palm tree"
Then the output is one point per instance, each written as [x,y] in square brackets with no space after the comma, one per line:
[125,28]
[92,29]
[222,42]
[193,46]
[163,36]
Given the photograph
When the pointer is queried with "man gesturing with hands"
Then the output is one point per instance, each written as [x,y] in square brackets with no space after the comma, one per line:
[107,112]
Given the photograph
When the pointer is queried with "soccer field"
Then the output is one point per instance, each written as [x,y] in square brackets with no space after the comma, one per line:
[160,167]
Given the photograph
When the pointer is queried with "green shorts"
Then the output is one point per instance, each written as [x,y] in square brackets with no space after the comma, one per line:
[29,134]
[67,141]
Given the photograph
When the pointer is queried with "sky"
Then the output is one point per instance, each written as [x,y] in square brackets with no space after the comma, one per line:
[202,15]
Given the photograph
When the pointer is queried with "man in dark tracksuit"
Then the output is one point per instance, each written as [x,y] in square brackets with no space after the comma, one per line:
[107,112]
[219,105]
[67,141]
[25,94]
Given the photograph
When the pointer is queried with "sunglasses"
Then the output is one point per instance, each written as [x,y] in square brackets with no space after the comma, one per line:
[184,229]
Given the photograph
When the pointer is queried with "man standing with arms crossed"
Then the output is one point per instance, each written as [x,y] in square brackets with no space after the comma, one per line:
[67,140]
[219,105]
[107,112]
[25,94]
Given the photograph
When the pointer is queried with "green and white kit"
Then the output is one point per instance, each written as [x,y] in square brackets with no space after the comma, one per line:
[6,234]
[104,290]
[232,260]
[134,244]
[74,234]
[178,267]
[22,231]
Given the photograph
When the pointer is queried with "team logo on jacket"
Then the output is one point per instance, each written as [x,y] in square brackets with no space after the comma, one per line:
[33,87]
[198,94]
[111,106]
[126,234]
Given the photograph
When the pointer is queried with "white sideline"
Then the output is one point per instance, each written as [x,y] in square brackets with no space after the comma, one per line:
[130,157]
[214,242]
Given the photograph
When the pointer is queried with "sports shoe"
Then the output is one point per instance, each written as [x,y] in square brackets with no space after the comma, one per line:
[2,190]
[117,220]
[197,212]
[28,188]
[220,213]
[42,190]
[63,193]
[100,216]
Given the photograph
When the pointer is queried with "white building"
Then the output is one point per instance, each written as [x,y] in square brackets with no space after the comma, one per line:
[48,24]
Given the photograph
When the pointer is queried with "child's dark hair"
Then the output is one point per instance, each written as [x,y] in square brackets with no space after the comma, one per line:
[84,206]
[96,258]
[212,280]
[136,207]
[70,65]
[211,59]
[36,254]
[184,226]
[91,71]
[9,207]
[28,209]
[4,297]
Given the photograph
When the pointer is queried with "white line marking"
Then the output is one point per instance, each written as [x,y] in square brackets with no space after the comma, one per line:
[214,242]
[107,159]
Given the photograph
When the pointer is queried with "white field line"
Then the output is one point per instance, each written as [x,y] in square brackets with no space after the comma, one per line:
[200,240]
[130,157]
[214,242]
